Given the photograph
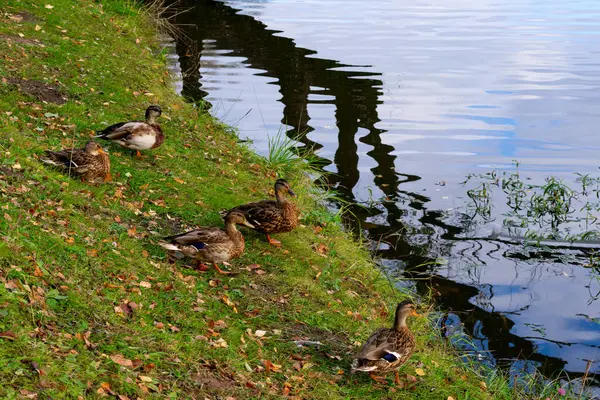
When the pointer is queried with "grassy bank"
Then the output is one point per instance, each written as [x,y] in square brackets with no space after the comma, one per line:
[91,307]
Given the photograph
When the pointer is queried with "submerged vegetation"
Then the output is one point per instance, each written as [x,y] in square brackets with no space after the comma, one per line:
[552,211]
[91,306]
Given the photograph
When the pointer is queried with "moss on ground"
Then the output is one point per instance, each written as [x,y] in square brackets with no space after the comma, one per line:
[91,307]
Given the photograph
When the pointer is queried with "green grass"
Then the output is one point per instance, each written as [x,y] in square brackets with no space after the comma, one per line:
[83,284]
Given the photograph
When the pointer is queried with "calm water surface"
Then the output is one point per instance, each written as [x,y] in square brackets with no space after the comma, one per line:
[402,100]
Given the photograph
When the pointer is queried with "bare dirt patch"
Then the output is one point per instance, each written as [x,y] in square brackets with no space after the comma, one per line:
[11,173]
[20,40]
[212,382]
[40,90]
[22,16]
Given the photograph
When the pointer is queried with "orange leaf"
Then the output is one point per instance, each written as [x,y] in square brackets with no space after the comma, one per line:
[321,249]
[92,253]
[121,360]
[38,272]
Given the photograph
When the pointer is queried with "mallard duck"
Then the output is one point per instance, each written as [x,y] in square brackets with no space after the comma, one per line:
[388,348]
[209,244]
[136,135]
[90,163]
[272,216]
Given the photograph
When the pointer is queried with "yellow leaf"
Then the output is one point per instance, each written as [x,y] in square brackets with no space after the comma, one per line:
[37,27]
[420,371]
[450,398]
[145,378]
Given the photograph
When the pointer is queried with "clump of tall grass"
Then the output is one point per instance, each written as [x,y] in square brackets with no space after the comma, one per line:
[286,158]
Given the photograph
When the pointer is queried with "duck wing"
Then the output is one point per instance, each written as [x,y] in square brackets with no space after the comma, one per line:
[389,345]
[75,159]
[264,215]
[122,130]
[200,238]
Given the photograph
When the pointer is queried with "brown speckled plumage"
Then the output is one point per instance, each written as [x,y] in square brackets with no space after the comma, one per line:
[90,163]
[388,349]
[210,244]
[272,216]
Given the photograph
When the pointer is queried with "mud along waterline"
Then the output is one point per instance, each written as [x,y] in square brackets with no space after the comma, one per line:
[401,101]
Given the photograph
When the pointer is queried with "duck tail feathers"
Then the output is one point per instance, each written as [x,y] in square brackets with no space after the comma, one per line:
[168,246]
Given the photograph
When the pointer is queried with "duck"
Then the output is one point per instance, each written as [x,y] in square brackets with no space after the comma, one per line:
[91,163]
[136,135]
[272,216]
[210,244]
[388,349]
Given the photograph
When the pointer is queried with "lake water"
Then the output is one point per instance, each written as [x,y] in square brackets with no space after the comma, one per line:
[402,100]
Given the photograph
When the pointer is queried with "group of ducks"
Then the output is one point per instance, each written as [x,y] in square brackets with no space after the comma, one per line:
[385,350]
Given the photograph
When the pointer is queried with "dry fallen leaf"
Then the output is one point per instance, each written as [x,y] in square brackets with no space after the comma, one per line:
[9,335]
[49,6]
[321,249]
[220,342]
[230,303]
[420,371]
[38,272]
[260,333]
[145,284]
[121,360]
[271,367]
[92,253]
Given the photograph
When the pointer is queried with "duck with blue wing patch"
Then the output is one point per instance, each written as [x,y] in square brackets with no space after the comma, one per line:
[136,135]
[387,349]
[210,244]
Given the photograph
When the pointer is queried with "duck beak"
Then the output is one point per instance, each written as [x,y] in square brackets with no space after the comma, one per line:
[291,192]
[414,314]
[248,224]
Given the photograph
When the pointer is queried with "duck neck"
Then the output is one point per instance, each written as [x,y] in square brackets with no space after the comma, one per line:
[279,197]
[232,231]
[150,119]
[400,321]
